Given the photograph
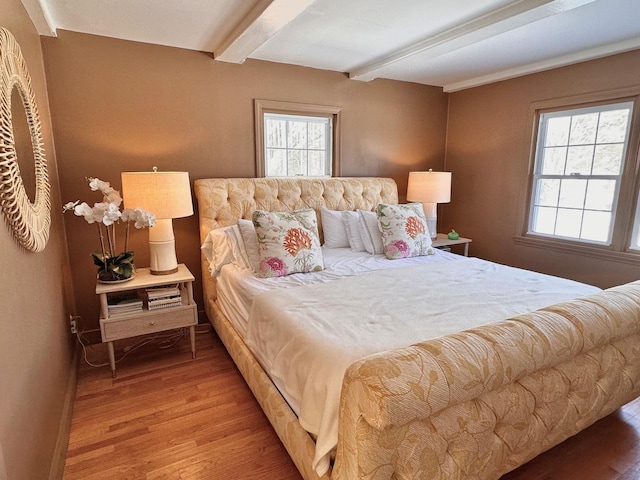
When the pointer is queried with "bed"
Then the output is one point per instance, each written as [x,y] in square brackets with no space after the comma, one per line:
[471,403]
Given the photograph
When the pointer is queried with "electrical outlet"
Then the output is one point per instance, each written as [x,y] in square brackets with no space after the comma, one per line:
[72,324]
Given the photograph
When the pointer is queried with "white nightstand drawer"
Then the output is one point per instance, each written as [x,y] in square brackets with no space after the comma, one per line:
[115,328]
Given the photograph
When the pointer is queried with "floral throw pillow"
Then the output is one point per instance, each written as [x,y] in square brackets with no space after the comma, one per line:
[288,242]
[404,230]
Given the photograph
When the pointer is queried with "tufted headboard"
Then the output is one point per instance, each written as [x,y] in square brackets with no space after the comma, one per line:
[222,201]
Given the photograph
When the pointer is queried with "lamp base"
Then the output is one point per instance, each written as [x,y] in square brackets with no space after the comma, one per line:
[431,215]
[162,248]
[163,272]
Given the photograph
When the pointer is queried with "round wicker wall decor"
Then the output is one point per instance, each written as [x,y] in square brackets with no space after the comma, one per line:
[29,221]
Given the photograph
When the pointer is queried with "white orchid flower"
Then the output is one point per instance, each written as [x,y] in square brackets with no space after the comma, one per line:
[70,206]
[110,212]
[141,217]
[96,184]
[126,215]
[111,195]
[144,218]
[84,210]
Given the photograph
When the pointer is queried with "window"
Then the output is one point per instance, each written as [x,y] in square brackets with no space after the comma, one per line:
[578,170]
[296,145]
[584,183]
[296,139]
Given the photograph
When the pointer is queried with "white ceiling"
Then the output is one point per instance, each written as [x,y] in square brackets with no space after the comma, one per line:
[454,44]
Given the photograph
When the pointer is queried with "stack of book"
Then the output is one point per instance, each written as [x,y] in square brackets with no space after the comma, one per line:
[163,297]
[121,303]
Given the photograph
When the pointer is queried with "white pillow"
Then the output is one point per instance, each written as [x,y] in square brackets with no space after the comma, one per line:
[333,228]
[288,242]
[370,232]
[404,230]
[352,226]
[250,239]
[238,250]
[218,250]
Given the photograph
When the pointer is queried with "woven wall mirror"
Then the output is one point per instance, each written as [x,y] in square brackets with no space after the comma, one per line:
[28,218]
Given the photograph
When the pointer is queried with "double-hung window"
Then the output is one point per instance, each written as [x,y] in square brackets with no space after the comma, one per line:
[297,145]
[578,169]
[583,186]
[296,139]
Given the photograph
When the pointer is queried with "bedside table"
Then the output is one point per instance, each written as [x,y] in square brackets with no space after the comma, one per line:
[443,241]
[131,322]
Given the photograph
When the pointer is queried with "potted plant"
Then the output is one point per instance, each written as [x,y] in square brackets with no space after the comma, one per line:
[112,266]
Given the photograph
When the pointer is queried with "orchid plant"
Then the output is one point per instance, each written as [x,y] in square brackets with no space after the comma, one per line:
[106,215]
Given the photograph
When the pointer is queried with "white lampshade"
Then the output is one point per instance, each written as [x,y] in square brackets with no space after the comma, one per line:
[430,188]
[167,195]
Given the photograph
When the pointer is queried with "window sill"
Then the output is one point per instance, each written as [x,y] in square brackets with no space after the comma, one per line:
[575,248]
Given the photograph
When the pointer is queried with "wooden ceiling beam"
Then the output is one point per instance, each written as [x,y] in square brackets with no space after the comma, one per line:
[264,20]
[509,17]
[40,15]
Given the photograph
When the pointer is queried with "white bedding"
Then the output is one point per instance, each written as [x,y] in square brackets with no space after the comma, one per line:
[237,287]
[305,335]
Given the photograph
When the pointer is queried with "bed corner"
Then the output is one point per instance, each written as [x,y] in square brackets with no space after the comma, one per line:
[480,403]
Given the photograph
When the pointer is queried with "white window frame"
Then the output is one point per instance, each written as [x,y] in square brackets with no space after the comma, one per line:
[635,236]
[301,111]
[538,175]
[626,223]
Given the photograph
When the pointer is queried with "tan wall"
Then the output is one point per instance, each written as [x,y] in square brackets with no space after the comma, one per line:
[488,146]
[35,343]
[121,106]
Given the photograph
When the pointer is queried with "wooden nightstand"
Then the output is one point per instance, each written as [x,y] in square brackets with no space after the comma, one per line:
[443,241]
[119,325]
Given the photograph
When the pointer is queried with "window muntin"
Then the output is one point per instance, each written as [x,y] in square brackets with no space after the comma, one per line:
[578,170]
[297,145]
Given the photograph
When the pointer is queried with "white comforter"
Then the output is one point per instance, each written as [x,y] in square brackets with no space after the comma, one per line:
[237,287]
[306,336]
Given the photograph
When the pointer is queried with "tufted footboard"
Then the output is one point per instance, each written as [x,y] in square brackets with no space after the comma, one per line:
[477,404]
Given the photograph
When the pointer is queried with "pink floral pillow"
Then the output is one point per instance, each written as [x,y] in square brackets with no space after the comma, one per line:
[288,242]
[404,230]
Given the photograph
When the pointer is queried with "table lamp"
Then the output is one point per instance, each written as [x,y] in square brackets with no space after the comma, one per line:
[167,195]
[429,188]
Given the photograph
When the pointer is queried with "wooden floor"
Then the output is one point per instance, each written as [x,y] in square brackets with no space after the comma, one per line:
[168,417]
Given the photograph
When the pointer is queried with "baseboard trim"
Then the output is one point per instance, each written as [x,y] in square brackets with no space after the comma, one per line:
[62,442]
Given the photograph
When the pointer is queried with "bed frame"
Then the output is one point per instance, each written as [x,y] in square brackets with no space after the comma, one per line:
[471,405]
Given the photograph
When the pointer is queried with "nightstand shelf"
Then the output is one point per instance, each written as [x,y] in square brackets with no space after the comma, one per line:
[443,241]
[141,322]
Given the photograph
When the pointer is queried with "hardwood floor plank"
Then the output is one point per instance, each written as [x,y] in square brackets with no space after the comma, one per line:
[168,417]
[604,451]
